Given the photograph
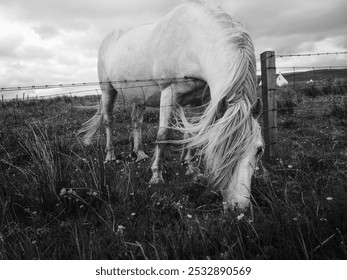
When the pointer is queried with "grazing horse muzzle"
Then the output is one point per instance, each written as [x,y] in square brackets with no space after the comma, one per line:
[237,203]
[237,199]
[237,195]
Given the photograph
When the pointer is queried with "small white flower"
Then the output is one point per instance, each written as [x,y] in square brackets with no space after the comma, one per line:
[94,193]
[329,198]
[120,229]
[239,217]
[257,168]
[132,214]
[290,166]
[62,191]
[189,216]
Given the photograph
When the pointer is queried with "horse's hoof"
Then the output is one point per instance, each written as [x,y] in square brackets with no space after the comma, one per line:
[156,181]
[190,172]
[108,160]
[198,177]
[141,156]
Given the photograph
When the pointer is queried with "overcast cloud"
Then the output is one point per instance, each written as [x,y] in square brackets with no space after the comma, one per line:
[51,41]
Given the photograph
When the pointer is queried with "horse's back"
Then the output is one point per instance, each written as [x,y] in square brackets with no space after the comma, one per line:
[124,55]
[166,49]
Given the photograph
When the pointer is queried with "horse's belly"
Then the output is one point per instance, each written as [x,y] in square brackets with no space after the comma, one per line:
[148,95]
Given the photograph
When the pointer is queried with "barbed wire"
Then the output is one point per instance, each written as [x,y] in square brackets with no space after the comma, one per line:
[116,84]
[310,54]
[302,55]
[336,67]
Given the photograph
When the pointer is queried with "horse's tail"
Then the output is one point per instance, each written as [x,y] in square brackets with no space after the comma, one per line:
[92,126]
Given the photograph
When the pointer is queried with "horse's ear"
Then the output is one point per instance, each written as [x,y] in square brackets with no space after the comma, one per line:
[222,107]
[257,108]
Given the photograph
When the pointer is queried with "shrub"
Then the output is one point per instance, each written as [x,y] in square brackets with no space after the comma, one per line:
[285,103]
[339,108]
[312,91]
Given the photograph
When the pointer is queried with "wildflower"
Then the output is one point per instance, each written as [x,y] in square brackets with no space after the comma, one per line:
[290,166]
[94,193]
[295,219]
[239,217]
[120,229]
[81,206]
[189,216]
[257,168]
[329,198]
[70,191]
[62,192]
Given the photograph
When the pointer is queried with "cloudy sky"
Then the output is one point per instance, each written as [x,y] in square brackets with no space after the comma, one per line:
[56,41]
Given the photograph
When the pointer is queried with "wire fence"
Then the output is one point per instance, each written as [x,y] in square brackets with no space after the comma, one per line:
[302,102]
[310,95]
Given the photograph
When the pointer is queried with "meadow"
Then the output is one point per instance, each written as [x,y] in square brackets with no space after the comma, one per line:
[59,200]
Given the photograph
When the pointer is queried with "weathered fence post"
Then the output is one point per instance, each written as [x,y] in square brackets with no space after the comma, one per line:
[268,80]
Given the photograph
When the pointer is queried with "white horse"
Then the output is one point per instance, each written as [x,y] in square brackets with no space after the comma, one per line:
[203,43]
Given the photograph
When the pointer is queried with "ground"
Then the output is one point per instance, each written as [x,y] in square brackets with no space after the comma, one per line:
[59,200]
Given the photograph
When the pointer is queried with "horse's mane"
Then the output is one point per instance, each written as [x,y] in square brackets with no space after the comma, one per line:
[224,141]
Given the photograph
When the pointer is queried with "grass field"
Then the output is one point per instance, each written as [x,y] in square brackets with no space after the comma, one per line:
[58,200]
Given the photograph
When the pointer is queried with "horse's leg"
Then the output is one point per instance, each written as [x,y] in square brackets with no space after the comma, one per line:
[136,135]
[187,158]
[108,98]
[166,102]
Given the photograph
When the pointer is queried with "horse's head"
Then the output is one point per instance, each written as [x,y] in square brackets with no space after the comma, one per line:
[237,194]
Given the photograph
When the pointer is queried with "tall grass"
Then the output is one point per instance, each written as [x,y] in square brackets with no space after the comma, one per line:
[58,200]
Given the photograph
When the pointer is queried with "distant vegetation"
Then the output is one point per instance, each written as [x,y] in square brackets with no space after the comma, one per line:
[303,77]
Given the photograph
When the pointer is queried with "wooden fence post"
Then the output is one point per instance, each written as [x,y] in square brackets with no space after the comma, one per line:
[268,80]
